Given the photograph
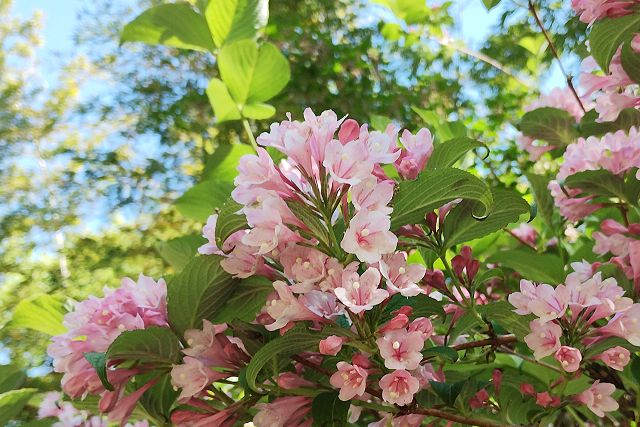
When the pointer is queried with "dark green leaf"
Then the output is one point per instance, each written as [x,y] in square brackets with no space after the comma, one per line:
[229,221]
[158,400]
[423,306]
[174,24]
[553,125]
[531,265]
[502,313]
[597,183]
[448,392]
[328,410]
[99,363]
[607,343]
[248,297]
[198,292]
[446,353]
[631,62]
[608,34]
[43,313]
[11,377]
[231,20]
[628,118]
[179,251]
[447,153]
[153,345]
[542,196]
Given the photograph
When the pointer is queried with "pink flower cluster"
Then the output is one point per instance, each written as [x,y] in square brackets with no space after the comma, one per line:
[592,10]
[93,326]
[624,244]
[568,319]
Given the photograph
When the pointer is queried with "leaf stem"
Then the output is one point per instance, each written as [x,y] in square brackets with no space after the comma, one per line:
[252,139]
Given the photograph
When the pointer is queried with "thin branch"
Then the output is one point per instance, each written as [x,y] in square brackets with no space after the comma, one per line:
[531,359]
[567,76]
[496,341]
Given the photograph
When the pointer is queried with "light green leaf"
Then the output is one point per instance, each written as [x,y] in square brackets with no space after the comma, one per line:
[198,292]
[11,377]
[304,213]
[444,130]
[542,196]
[379,122]
[173,24]
[490,4]
[230,220]
[12,402]
[200,201]
[179,251]
[224,107]
[447,153]
[99,363]
[502,313]
[153,345]
[531,265]
[534,44]
[608,34]
[328,410]
[432,189]
[43,313]
[249,296]
[253,74]
[258,111]
[231,20]
[223,163]
[553,125]
[293,342]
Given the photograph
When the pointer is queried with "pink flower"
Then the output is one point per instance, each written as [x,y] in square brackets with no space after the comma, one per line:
[373,195]
[360,293]
[480,399]
[598,398]
[331,345]
[303,265]
[401,349]
[561,98]
[592,10]
[349,163]
[349,131]
[324,304]
[350,379]
[209,233]
[526,234]
[545,399]
[417,150]
[609,105]
[571,207]
[286,308]
[625,325]
[535,151]
[283,411]
[398,387]
[322,128]
[399,321]
[213,348]
[522,300]
[550,303]
[368,236]
[569,358]
[382,147]
[192,377]
[256,173]
[616,357]
[243,262]
[422,325]
[334,271]
[289,380]
[402,277]
[186,418]
[544,338]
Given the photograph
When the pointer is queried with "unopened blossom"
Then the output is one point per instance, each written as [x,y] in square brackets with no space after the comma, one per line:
[350,379]
[398,387]
[290,380]
[416,151]
[243,262]
[545,399]
[349,163]
[185,417]
[361,293]
[349,131]
[480,399]
[569,358]
[572,207]
[422,325]
[544,338]
[373,195]
[399,321]
[401,349]
[616,357]
[368,236]
[598,398]
[286,308]
[213,347]
[191,377]
[401,277]
[283,411]
[331,345]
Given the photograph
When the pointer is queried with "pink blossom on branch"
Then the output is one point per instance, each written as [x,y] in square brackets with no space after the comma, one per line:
[399,387]
[598,398]
[350,379]
[368,236]
[361,293]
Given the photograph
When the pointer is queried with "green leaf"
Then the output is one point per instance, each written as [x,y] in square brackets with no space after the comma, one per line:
[542,196]
[410,11]
[303,212]
[12,402]
[223,163]
[598,183]
[423,306]
[630,62]
[11,377]
[253,74]
[531,265]
[448,392]
[224,107]
[608,34]
[99,363]
[200,201]
[460,226]
[447,153]
[159,399]
[153,345]
[607,343]
[179,251]
[432,189]
[43,313]
[628,118]
[173,24]
[249,296]
[502,313]
[258,111]
[229,221]
[553,125]
[446,353]
[231,20]
[198,292]
[293,342]
[379,122]
[490,4]
[328,410]
[444,130]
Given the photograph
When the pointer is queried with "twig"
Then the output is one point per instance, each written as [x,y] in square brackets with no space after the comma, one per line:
[533,11]
[499,340]
[531,359]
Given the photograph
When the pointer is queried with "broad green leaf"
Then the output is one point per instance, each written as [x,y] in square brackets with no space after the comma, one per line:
[607,343]
[198,292]
[173,24]
[423,306]
[200,201]
[43,313]
[628,118]
[12,402]
[231,20]
[432,189]
[328,410]
[446,353]
[158,400]
[542,196]
[249,296]
[11,377]
[379,122]
[223,163]
[631,62]
[258,111]
[179,251]
[153,345]
[444,130]
[99,363]
[553,125]
[502,313]
[490,4]
[531,265]
[598,183]
[304,213]
[534,44]
[447,153]
[253,74]
[230,220]
[460,226]
[293,342]
[608,34]
[45,422]
[224,107]
[448,392]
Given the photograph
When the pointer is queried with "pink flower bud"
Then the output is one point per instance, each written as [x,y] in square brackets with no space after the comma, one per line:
[527,389]
[610,226]
[289,380]
[405,309]
[496,377]
[331,345]
[400,321]
[349,131]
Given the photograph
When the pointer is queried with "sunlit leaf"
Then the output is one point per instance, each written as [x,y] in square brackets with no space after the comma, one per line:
[43,313]
[231,20]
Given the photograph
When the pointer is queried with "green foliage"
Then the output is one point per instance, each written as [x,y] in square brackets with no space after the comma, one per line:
[600,183]
[99,363]
[198,292]
[448,392]
[542,196]
[154,346]
[628,118]
[231,20]
[249,296]
[11,378]
[447,354]
[502,313]
[43,314]
[179,251]
[223,105]
[630,62]
[199,201]
[328,410]
[229,221]
[608,34]
[432,189]
[544,268]
[553,125]
[447,153]
[12,402]
[444,131]
[159,399]
[423,306]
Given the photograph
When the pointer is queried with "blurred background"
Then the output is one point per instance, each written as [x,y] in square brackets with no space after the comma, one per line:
[99,141]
